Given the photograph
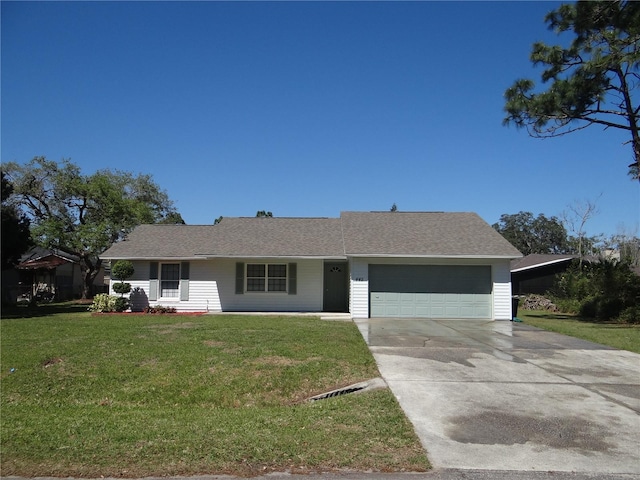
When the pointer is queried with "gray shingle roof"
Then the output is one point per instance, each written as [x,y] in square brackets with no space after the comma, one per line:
[235,237]
[354,233]
[422,234]
[162,241]
[276,237]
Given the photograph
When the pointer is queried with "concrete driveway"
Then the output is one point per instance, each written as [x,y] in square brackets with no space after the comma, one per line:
[506,396]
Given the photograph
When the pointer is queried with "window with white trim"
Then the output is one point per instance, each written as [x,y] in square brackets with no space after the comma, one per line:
[170,280]
[266,277]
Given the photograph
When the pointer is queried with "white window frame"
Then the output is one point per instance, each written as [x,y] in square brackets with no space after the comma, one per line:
[266,278]
[175,297]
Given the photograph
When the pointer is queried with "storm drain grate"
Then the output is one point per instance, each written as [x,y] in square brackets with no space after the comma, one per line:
[358,387]
[336,393]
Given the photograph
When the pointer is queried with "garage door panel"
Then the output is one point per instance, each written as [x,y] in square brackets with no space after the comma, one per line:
[430,291]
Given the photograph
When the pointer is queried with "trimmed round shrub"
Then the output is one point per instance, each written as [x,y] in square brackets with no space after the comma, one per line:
[121,287]
[122,270]
[121,304]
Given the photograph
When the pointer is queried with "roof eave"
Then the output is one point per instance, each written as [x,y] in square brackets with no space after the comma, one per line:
[406,255]
[543,264]
[139,257]
[293,257]
[212,257]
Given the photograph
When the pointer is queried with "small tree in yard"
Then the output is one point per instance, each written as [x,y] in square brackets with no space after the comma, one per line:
[122,270]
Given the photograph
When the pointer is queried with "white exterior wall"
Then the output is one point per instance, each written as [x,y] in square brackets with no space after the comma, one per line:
[359,288]
[212,288]
[501,277]
[359,281]
[203,288]
[309,284]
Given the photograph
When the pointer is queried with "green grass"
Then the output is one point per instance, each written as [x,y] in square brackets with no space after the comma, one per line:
[150,395]
[621,336]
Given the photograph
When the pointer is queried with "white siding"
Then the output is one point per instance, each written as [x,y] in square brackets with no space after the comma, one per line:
[359,288]
[501,290]
[307,299]
[203,289]
[212,288]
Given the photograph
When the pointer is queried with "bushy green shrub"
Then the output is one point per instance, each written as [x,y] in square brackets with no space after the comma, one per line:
[575,283]
[600,307]
[121,304]
[567,305]
[600,290]
[630,315]
[104,303]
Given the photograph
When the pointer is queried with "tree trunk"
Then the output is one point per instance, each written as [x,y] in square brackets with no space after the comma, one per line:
[90,271]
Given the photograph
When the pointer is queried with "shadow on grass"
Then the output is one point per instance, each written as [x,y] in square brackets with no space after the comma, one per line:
[537,315]
[555,316]
[43,310]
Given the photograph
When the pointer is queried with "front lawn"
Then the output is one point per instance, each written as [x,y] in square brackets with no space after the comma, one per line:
[621,336]
[157,395]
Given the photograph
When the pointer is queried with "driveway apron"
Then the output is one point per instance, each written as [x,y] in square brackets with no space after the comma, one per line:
[506,396]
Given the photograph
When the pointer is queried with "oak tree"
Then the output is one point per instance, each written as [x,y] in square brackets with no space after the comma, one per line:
[531,234]
[85,214]
[16,238]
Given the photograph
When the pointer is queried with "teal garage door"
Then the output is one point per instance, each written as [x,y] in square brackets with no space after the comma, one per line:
[430,291]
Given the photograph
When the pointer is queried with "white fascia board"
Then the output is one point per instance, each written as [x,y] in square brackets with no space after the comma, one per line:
[544,264]
[483,257]
[280,257]
[160,259]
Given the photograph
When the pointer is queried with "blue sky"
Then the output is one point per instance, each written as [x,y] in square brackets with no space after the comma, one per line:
[302,108]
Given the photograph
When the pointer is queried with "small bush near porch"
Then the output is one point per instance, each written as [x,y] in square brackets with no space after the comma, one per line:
[157,395]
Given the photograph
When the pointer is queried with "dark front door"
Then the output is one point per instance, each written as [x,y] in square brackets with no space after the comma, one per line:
[336,287]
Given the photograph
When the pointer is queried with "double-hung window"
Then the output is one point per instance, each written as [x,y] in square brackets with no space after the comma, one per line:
[266,277]
[170,280]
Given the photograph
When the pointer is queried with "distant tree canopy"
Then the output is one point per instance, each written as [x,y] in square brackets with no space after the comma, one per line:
[531,234]
[16,237]
[85,214]
[264,213]
[593,81]
[173,218]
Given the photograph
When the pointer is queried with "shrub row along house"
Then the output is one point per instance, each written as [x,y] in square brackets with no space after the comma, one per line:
[368,264]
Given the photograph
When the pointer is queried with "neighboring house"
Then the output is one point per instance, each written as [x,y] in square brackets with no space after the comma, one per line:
[536,273]
[47,274]
[369,264]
